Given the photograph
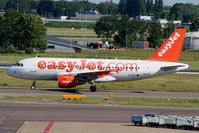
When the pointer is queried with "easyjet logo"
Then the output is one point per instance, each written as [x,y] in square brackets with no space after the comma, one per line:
[70,66]
[168,46]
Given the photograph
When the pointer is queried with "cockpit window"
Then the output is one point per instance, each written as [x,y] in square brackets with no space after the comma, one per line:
[18,64]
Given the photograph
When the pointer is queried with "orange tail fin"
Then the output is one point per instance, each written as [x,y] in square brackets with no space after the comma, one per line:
[171,49]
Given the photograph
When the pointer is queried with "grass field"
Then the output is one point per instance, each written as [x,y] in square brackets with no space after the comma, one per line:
[81,39]
[76,25]
[103,100]
[70,32]
[103,54]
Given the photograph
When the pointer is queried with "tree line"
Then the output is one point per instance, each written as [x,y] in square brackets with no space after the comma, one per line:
[124,30]
[135,8]
[51,8]
[25,31]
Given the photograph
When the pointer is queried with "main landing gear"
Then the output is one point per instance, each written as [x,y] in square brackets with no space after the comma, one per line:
[93,87]
[33,85]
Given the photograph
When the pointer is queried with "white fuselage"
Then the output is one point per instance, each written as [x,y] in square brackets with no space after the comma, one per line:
[121,70]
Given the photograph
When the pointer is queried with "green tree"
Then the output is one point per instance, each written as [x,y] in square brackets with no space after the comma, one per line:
[20,5]
[169,29]
[155,35]
[121,38]
[166,11]
[158,8]
[141,10]
[12,28]
[135,7]
[46,8]
[195,25]
[11,4]
[74,7]
[34,33]
[113,9]
[34,4]
[60,8]
[23,32]
[88,5]
[174,12]
[129,31]
[184,12]
[3,36]
[106,26]
[122,7]
[2,4]
[138,31]
[107,8]
[149,7]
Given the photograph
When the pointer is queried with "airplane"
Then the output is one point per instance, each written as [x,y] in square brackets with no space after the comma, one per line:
[70,72]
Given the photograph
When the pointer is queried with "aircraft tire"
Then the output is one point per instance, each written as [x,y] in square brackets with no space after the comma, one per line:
[93,88]
[32,88]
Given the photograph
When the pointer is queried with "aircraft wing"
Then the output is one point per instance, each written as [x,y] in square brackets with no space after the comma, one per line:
[89,75]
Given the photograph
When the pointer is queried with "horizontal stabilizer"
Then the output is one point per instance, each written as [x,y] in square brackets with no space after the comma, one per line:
[168,68]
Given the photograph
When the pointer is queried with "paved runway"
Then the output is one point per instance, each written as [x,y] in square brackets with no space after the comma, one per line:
[134,94]
[13,115]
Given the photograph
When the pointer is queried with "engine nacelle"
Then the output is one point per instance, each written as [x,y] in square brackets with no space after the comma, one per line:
[67,81]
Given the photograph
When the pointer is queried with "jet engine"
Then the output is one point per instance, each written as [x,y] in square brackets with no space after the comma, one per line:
[67,81]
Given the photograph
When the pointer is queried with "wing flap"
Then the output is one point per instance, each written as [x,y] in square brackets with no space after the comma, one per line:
[93,73]
[88,74]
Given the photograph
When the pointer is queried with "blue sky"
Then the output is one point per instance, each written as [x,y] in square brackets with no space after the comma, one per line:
[166,2]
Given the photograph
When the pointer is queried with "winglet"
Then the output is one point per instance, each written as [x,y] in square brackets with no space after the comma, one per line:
[171,49]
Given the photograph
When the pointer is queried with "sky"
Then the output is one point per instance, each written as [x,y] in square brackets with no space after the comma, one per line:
[166,2]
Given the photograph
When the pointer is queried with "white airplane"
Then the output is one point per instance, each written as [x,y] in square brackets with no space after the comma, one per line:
[71,72]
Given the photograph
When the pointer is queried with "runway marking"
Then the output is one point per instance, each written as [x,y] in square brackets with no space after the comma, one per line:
[49,126]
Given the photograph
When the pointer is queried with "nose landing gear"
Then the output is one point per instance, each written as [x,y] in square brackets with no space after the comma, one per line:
[33,85]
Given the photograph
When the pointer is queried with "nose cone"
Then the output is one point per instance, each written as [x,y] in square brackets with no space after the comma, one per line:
[10,72]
